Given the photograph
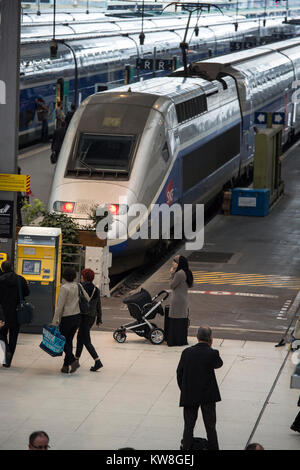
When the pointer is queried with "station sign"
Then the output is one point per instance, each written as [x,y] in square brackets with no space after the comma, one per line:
[160,64]
[262,117]
[12,182]
[278,118]
[3,257]
[6,218]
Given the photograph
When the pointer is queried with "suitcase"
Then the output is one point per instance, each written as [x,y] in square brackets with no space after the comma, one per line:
[199,443]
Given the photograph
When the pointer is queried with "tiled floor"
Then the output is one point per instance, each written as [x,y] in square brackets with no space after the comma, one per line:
[133,400]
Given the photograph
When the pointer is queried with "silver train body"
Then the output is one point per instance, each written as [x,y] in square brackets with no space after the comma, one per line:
[105,48]
[172,139]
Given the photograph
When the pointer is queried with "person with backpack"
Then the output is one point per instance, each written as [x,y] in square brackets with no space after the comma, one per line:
[90,305]
[12,288]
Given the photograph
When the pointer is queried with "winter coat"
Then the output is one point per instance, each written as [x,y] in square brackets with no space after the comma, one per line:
[67,302]
[179,296]
[196,376]
[9,296]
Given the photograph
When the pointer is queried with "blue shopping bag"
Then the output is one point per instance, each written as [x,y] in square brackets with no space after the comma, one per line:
[53,342]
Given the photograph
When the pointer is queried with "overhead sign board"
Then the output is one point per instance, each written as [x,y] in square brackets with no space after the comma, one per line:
[160,64]
[261,117]
[11,182]
[6,218]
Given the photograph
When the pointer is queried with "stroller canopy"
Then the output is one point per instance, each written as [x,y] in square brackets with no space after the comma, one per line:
[140,298]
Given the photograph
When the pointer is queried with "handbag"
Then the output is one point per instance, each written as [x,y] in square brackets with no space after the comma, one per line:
[53,341]
[84,299]
[24,309]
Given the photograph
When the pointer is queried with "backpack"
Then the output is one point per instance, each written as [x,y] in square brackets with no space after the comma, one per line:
[84,299]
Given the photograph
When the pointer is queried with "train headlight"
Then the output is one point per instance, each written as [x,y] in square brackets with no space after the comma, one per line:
[64,206]
[117,209]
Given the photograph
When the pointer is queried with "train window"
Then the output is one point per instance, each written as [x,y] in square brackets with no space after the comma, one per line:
[104,153]
[99,88]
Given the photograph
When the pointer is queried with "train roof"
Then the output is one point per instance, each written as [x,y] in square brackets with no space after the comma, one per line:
[177,89]
[66,28]
[248,54]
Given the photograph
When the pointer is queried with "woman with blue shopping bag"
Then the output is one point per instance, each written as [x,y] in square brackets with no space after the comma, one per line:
[67,317]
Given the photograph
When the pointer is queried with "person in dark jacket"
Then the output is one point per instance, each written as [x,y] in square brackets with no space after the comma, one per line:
[9,300]
[70,114]
[87,320]
[197,382]
[57,141]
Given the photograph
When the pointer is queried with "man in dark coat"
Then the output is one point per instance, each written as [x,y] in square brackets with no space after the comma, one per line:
[9,300]
[198,385]
[57,141]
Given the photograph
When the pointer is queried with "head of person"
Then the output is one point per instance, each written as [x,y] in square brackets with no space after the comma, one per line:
[87,275]
[38,440]
[6,267]
[182,263]
[69,274]
[73,107]
[204,335]
[254,446]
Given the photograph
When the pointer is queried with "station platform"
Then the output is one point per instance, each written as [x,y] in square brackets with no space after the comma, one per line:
[246,288]
[247,276]
[133,401]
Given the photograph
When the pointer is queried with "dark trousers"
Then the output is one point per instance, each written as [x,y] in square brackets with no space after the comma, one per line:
[190,415]
[84,337]
[68,328]
[44,135]
[296,423]
[10,336]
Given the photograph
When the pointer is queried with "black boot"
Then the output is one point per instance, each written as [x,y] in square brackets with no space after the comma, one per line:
[98,365]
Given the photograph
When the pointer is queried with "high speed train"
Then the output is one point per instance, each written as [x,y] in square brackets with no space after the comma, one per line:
[172,139]
[109,52]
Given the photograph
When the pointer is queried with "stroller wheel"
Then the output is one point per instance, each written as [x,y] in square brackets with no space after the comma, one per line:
[119,336]
[157,336]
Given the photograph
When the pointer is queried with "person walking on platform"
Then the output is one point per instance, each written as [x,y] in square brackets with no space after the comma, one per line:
[60,115]
[42,115]
[88,319]
[198,386]
[70,114]
[177,321]
[67,316]
[57,141]
[10,286]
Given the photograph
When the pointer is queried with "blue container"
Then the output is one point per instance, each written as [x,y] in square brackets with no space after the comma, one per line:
[255,202]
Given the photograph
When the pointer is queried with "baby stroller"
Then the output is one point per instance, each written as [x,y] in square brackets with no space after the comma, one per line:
[143,308]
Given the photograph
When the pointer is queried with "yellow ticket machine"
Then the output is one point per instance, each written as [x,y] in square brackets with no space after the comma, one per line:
[39,262]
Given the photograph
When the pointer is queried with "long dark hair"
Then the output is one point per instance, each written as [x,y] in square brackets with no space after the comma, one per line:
[184,265]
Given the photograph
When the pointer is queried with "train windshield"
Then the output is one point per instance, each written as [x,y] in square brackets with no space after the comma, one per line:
[103,153]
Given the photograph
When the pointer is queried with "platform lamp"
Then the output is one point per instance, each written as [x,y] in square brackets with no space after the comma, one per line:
[53,54]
